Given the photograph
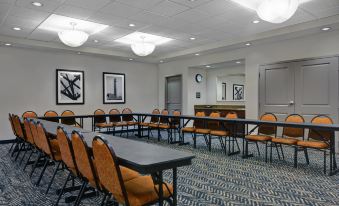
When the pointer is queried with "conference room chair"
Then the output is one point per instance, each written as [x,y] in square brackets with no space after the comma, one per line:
[222,131]
[19,131]
[135,192]
[264,135]
[100,122]
[153,120]
[174,126]
[52,114]
[290,136]
[14,144]
[163,121]
[128,119]
[50,151]
[86,167]
[68,160]
[197,123]
[116,121]
[29,114]
[204,130]
[30,140]
[319,140]
[69,120]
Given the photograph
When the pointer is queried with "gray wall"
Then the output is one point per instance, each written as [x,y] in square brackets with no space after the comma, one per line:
[27,82]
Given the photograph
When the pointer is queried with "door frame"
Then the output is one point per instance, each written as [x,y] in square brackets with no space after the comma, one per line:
[166,91]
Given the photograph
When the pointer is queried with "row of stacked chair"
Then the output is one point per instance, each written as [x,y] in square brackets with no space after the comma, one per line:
[98,171]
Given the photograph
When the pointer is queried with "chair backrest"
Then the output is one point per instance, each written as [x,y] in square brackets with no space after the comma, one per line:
[45,143]
[214,125]
[127,118]
[66,150]
[321,135]
[176,120]
[17,126]
[155,119]
[164,119]
[83,160]
[99,119]
[231,115]
[293,131]
[29,114]
[108,169]
[268,129]
[28,132]
[197,122]
[35,135]
[10,118]
[115,118]
[70,120]
[51,113]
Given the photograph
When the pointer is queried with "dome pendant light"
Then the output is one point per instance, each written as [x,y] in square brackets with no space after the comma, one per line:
[73,38]
[277,11]
[142,48]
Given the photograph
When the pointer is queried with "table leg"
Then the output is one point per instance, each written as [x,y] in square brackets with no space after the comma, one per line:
[139,126]
[175,186]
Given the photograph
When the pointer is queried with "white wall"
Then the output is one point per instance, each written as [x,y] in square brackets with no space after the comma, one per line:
[322,44]
[27,82]
[211,87]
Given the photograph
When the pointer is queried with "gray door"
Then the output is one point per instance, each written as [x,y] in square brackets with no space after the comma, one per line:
[276,89]
[173,93]
[316,87]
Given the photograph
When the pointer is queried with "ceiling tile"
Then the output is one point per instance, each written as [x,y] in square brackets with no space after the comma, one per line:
[25,13]
[149,18]
[168,8]
[88,4]
[8,31]
[144,4]
[43,35]
[191,15]
[112,33]
[191,4]
[120,9]
[48,5]
[218,7]
[74,12]
[14,21]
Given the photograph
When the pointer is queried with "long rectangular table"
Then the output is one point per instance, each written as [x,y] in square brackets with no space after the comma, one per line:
[140,156]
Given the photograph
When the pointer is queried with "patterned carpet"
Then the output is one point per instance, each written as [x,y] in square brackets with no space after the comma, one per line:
[212,179]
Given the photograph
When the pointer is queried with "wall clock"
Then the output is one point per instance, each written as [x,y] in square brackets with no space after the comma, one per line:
[198,78]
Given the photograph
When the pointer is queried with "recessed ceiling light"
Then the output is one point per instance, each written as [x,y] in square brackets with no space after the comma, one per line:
[208,66]
[255,21]
[326,28]
[17,28]
[38,4]
[248,44]
[79,52]
[191,0]
[131,25]
[96,41]
[238,62]
[196,54]
[161,61]
[8,44]
[131,59]
[192,38]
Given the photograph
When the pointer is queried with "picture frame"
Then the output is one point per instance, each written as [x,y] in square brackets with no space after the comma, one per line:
[238,92]
[114,88]
[70,87]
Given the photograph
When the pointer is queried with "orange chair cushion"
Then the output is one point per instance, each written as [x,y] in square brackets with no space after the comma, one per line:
[219,133]
[313,144]
[145,124]
[103,125]
[128,174]
[202,131]
[188,129]
[132,123]
[258,138]
[55,149]
[288,141]
[141,191]
[164,126]
[119,124]
[153,125]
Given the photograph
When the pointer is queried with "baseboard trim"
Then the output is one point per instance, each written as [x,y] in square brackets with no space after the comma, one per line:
[7,141]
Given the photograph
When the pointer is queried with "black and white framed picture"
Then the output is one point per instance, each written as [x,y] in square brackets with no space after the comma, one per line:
[114,88]
[70,87]
[238,92]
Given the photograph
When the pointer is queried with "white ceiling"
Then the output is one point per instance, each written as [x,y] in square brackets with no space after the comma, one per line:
[211,22]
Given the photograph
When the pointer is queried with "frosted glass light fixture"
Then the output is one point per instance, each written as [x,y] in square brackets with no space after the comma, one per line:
[142,48]
[73,38]
[277,11]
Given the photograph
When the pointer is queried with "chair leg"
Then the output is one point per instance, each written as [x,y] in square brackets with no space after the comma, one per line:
[10,149]
[81,193]
[282,152]
[16,148]
[325,162]
[42,172]
[306,156]
[266,151]
[55,171]
[20,149]
[209,143]
[194,140]
[272,151]
[29,157]
[295,157]
[35,164]
[63,188]
[257,148]
[23,156]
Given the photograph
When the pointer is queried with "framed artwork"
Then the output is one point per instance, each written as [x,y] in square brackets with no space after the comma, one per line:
[238,92]
[114,88]
[223,90]
[70,87]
